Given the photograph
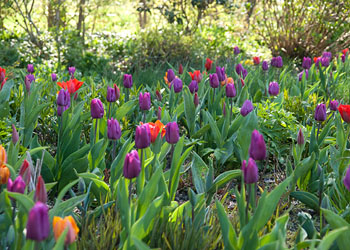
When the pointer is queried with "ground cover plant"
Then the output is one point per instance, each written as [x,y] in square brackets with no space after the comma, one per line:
[183,164]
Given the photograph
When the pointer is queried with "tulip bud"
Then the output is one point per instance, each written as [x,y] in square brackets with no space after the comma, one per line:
[274,88]
[250,171]
[265,66]
[346,180]
[38,224]
[159,95]
[142,136]
[236,50]
[300,138]
[111,95]
[71,71]
[40,191]
[59,225]
[113,129]
[117,91]
[214,80]
[320,113]
[244,73]
[170,75]
[172,133]
[53,77]
[132,165]
[24,167]
[325,61]
[159,113]
[177,83]
[193,86]
[257,149]
[27,175]
[343,57]
[307,63]
[145,101]
[4,174]
[97,110]
[242,82]
[247,107]
[195,99]
[220,73]
[62,97]
[208,64]
[256,60]
[30,68]
[127,81]
[15,135]
[28,81]
[239,68]
[181,69]
[344,111]
[333,105]
[17,186]
[279,62]
[230,90]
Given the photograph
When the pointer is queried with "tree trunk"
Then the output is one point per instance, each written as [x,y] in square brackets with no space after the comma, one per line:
[81,15]
[50,14]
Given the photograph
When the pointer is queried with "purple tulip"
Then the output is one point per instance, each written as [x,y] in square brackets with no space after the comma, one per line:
[172,133]
[307,63]
[274,88]
[333,105]
[320,112]
[111,95]
[142,136]
[300,138]
[250,171]
[236,50]
[177,83]
[244,73]
[195,100]
[38,224]
[247,107]
[61,109]
[214,80]
[96,108]
[17,186]
[53,77]
[230,90]
[265,66]
[193,86]
[257,149]
[170,75]
[15,136]
[132,165]
[28,81]
[127,81]
[63,97]
[30,68]
[327,54]
[325,61]
[71,71]
[277,62]
[306,72]
[346,180]
[239,68]
[220,72]
[113,129]
[145,101]
[343,57]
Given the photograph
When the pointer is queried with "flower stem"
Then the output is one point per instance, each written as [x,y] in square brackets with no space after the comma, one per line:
[248,199]
[114,149]
[130,188]
[109,110]
[96,121]
[231,109]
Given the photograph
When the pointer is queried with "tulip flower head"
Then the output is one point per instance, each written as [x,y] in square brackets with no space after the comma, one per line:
[170,75]
[181,69]
[196,75]
[3,78]
[159,113]
[172,133]
[277,62]
[257,149]
[15,136]
[40,191]
[4,174]
[220,72]
[325,61]
[38,224]
[208,64]
[300,138]
[239,69]
[72,85]
[3,156]
[63,98]
[236,50]
[127,81]
[155,128]
[177,83]
[71,71]
[256,60]
[145,101]
[214,80]
[159,95]
[111,94]
[274,88]
[193,86]
[28,81]
[247,107]
[60,224]
[142,136]
[307,63]
[333,105]
[195,99]
[320,112]
[113,129]
[17,186]
[327,54]
[30,68]
[230,90]
[265,66]
[343,57]
[304,72]
[346,180]
[96,108]
[344,111]
[53,77]
[132,165]
[250,171]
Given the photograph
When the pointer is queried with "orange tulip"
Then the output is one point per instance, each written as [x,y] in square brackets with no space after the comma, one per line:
[3,156]
[166,79]
[155,128]
[60,224]
[72,85]
[4,174]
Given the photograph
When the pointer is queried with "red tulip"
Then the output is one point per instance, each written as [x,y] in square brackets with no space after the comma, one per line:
[256,60]
[208,64]
[40,191]
[2,77]
[344,111]
[72,85]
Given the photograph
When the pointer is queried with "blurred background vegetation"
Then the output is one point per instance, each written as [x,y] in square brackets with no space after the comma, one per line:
[107,38]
